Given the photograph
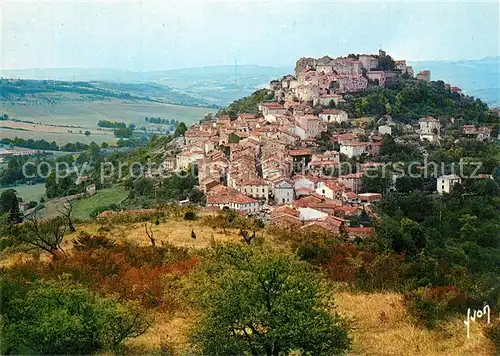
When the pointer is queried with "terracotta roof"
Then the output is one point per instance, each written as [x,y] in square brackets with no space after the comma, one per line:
[300,152]
[351,195]
[313,179]
[308,200]
[284,209]
[347,210]
[273,105]
[253,182]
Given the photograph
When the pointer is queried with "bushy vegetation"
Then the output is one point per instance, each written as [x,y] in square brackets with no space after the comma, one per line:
[161,121]
[412,99]
[146,192]
[44,145]
[111,124]
[42,317]
[259,301]
[247,105]
[432,305]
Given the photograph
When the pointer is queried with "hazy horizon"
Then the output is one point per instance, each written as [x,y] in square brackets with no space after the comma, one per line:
[232,64]
[153,36]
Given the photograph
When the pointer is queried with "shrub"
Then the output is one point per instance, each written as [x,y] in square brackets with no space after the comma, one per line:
[260,301]
[431,305]
[190,215]
[60,318]
[492,332]
[85,241]
[132,272]
[365,270]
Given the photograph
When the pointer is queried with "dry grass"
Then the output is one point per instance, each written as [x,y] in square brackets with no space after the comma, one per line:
[382,327]
[175,232]
[381,324]
[168,332]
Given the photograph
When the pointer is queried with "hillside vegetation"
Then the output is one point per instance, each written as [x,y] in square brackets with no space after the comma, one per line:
[158,289]
[25,91]
[412,99]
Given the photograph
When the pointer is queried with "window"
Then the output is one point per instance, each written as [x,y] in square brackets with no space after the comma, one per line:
[263,191]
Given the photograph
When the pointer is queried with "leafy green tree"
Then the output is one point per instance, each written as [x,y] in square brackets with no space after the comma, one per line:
[263,302]
[9,204]
[124,132]
[376,181]
[60,318]
[180,129]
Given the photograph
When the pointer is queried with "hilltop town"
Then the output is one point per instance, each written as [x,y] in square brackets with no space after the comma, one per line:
[284,162]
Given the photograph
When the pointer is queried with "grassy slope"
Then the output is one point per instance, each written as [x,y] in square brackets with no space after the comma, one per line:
[87,114]
[380,323]
[60,138]
[29,192]
[83,207]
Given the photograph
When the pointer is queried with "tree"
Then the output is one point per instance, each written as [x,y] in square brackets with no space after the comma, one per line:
[124,132]
[87,133]
[148,227]
[60,318]
[66,210]
[263,302]
[9,204]
[180,129]
[46,235]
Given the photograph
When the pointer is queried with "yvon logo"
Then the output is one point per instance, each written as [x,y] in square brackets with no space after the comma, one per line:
[476,313]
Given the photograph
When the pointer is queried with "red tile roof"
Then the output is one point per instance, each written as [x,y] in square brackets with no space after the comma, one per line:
[253,182]
[300,152]
[333,111]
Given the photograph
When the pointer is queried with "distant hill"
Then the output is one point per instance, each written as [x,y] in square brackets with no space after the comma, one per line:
[215,84]
[29,91]
[222,85]
[479,78]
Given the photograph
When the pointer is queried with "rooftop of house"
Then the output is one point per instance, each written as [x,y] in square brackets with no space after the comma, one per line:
[253,182]
[428,119]
[273,105]
[285,209]
[300,152]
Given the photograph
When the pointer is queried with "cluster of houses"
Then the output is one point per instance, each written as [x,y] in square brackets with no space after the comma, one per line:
[430,130]
[324,80]
[270,164]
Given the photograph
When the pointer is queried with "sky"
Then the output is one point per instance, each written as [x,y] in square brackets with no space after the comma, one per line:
[149,35]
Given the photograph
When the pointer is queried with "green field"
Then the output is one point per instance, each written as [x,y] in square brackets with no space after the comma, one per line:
[87,114]
[83,207]
[29,192]
[60,138]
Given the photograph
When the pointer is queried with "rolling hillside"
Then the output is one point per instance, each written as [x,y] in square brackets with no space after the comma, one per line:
[218,85]
[221,85]
[29,91]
